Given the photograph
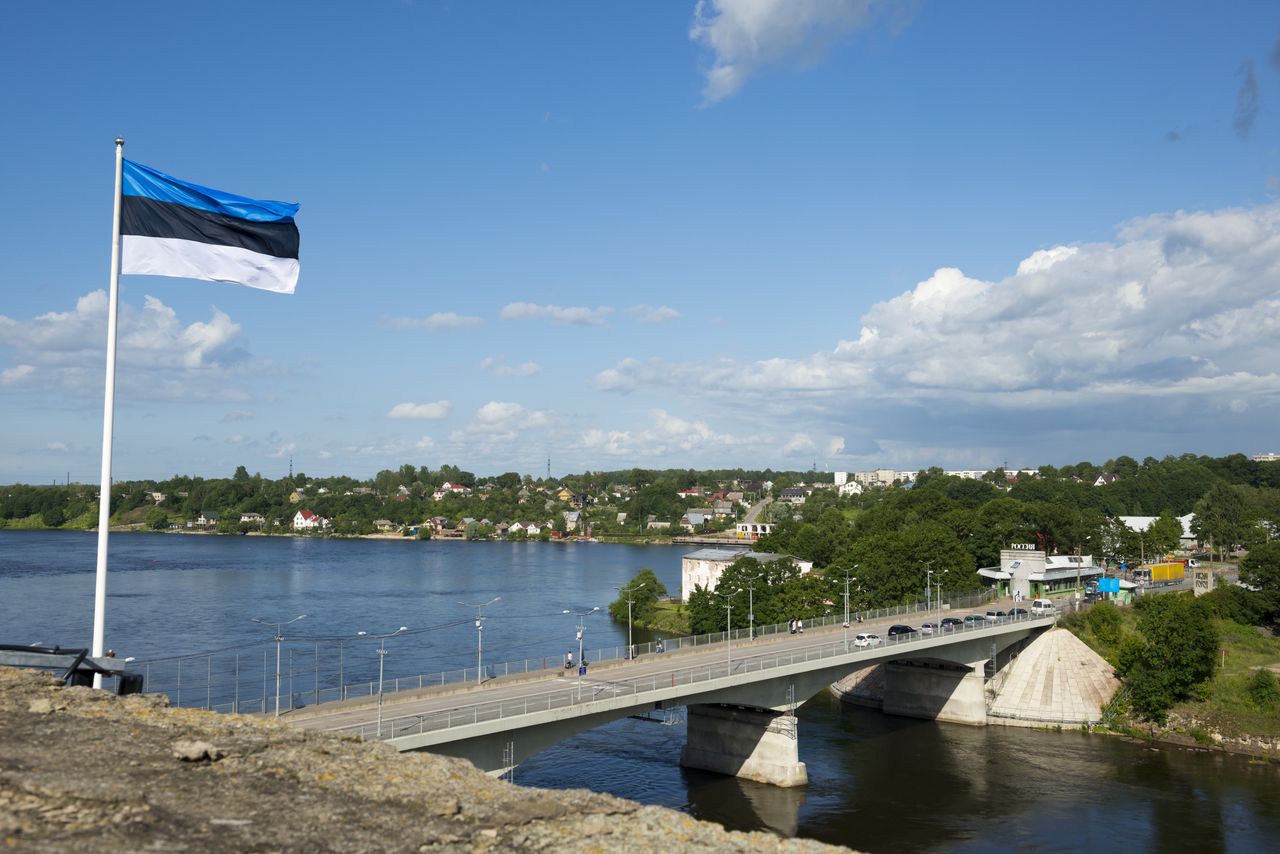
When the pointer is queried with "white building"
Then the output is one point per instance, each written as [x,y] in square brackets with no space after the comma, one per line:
[705,566]
[306,520]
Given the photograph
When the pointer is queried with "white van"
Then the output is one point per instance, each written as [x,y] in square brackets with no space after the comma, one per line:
[1042,608]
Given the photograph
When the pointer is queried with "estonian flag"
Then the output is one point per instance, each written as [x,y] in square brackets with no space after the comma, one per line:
[170,227]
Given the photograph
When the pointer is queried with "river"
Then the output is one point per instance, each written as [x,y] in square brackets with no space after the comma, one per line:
[877,783]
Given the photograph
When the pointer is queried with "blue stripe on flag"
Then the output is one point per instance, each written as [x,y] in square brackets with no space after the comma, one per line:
[150,183]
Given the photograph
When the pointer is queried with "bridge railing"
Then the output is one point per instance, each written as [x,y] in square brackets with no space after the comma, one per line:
[592,689]
[244,679]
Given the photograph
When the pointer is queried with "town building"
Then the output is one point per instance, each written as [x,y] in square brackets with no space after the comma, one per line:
[1037,575]
[705,566]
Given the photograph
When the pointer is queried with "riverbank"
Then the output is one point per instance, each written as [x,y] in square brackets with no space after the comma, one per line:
[86,770]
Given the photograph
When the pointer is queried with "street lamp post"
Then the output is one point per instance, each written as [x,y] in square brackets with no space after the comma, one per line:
[847,579]
[279,639]
[928,586]
[751,605]
[480,606]
[630,593]
[581,616]
[728,634]
[382,658]
[938,584]
[342,687]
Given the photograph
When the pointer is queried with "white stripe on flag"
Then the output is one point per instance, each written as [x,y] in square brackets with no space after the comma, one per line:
[167,256]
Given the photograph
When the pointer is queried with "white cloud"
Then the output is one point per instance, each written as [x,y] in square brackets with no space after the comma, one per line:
[283,450]
[236,415]
[498,369]
[649,314]
[57,446]
[575,315]
[745,36]
[439,320]
[422,411]
[426,443]
[667,436]
[1180,312]
[162,357]
[16,375]
[800,443]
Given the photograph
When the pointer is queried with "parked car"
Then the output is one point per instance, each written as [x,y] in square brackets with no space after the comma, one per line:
[1018,613]
[1042,608]
[994,616]
[899,629]
[927,628]
[950,624]
[867,639]
[972,620]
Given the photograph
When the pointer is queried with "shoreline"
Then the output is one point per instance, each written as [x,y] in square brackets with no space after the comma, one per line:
[142,529]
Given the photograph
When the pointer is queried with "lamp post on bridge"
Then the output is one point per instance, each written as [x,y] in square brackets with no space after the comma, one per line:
[847,579]
[629,592]
[938,584]
[928,586]
[279,639]
[382,657]
[342,688]
[480,606]
[728,634]
[751,605]
[581,662]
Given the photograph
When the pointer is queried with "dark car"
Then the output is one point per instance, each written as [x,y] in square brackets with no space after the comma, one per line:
[900,630]
[972,620]
[950,624]
[1018,613]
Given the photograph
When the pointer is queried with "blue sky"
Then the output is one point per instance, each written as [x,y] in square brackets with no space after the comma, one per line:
[725,233]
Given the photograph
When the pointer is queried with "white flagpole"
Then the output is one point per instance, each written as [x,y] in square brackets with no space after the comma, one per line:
[108,418]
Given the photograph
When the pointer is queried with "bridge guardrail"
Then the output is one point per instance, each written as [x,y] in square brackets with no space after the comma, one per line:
[314,673]
[397,726]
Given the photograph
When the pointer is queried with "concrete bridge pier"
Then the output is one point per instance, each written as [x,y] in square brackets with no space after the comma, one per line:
[936,690]
[755,744]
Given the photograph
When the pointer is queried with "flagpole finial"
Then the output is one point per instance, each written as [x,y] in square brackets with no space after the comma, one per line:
[119,140]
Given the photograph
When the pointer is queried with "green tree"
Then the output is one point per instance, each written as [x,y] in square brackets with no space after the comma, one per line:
[53,517]
[157,519]
[1260,569]
[1177,651]
[644,591]
[1220,517]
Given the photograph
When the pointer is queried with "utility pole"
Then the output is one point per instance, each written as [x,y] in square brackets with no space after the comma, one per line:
[630,593]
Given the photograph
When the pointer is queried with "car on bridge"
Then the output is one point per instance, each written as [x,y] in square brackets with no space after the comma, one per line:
[927,628]
[995,616]
[951,624]
[899,629]
[865,639]
[1018,613]
[974,620]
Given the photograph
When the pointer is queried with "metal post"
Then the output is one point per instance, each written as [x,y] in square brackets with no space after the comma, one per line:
[236,708]
[108,420]
[751,606]
[279,639]
[382,657]
[480,606]
[630,593]
[317,654]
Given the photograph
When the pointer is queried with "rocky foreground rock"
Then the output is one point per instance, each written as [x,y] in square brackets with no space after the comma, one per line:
[85,771]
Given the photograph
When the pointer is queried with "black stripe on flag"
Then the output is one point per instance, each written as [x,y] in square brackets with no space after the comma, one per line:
[146,217]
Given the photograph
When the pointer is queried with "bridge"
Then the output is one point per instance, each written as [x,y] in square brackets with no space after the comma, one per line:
[740,695]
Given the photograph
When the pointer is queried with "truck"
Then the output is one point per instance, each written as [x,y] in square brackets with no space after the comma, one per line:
[1172,572]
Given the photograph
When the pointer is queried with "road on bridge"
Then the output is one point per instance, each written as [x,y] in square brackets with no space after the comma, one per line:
[439,708]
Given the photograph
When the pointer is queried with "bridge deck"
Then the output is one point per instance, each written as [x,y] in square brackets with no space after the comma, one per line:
[653,678]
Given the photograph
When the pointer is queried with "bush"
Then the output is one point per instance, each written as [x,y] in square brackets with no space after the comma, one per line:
[1105,621]
[1264,689]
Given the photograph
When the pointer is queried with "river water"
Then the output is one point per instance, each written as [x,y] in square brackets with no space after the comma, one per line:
[877,783]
